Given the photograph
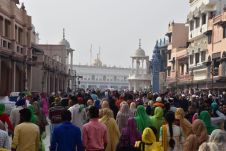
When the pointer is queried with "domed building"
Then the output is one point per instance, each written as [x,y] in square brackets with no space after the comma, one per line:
[140,77]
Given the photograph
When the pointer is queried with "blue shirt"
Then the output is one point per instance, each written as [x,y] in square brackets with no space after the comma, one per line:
[66,137]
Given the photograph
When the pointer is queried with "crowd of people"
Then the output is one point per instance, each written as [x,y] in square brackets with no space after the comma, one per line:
[117,121]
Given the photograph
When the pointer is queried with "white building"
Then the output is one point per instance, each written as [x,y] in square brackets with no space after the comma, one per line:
[199,36]
[140,77]
[102,77]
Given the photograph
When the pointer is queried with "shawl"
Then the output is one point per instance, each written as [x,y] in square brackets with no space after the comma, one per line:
[122,116]
[200,131]
[191,143]
[184,123]
[149,140]
[205,117]
[130,134]
[34,118]
[112,128]
[142,119]
[157,119]
[2,108]
[164,138]
[218,137]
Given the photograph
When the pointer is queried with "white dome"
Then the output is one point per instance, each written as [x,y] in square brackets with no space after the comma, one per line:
[65,42]
[97,62]
[139,53]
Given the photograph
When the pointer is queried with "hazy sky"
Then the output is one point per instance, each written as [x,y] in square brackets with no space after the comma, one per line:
[114,25]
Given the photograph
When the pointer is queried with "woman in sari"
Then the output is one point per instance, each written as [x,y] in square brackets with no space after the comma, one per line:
[157,119]
[191,143]
[142,119]
[129,136]
[112,128]
[122,116]
[205,117]
[199,129]
[184,123]
[171,134]
[218,137]
[148,142]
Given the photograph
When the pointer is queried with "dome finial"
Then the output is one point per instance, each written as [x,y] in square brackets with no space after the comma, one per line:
[63,33]
[139,43]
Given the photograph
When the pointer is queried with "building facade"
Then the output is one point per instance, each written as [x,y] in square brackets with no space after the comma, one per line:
[158,66]
[216,61]
[177,59]
[139,78]
[101,77]
[200,39]
[15,47]
[52,69]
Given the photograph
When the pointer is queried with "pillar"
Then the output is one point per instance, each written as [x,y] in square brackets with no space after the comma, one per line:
[13,69]
[3,27]
[71,60]
[180,69]
[13,34]
[26,77]
[223,68]
[185,68]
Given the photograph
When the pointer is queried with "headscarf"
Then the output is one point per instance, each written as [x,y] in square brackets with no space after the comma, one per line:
[208,147]
[106,115]
[218,137]
[131,131]
[184,123]
[112,128]
[20,102]
[2,108]
[200,131]
[133,108]
[34,118]
[122,116]
[149,140]
[142,119]
[191,143]
[157,119]
[205,117]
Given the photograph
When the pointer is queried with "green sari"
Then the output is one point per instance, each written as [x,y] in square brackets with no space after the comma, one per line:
[205,117]
[142,119]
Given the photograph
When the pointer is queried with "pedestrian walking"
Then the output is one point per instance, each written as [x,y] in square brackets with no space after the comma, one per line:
[66,137]
[26,134]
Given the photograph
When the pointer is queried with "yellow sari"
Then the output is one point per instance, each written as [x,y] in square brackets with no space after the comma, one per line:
[149,140]
[112,129]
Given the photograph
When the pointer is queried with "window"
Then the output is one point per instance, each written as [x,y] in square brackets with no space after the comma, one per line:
[209,36]
[7,28]
[197,22]
[169,71]
[191,25]
[104,78]
[182,69]
[224,32]
[203,56]
[115,78]
[169,55]
[191,59]
[93,77]
[170,38]
[173,65]
[196,58]
[203,19]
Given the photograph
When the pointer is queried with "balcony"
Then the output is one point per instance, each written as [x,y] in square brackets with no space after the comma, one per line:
[6,44]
